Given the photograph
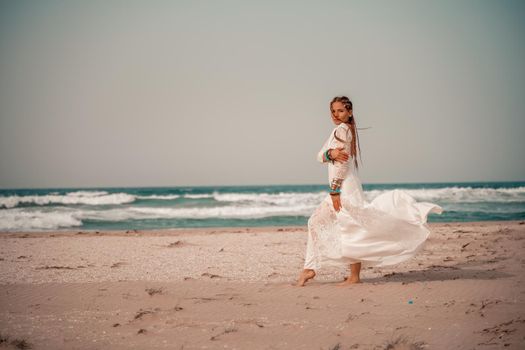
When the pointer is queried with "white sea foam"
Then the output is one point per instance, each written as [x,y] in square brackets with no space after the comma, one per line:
[231,205]
[21,219]
[446,194]
[223,212]
[461,194]
[157,196]
[198,196]
[78,197]
[282,198]
[31,219]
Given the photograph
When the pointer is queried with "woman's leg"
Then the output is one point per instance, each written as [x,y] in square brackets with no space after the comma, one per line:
[311,262]
[355,269]
[305,275]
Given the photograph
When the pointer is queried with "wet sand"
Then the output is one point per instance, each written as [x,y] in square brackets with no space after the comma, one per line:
[232,288]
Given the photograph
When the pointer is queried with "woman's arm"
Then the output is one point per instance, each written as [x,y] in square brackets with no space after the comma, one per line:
[337,154]
[342,142]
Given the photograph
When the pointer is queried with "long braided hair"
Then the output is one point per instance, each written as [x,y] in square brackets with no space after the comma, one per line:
[354,145]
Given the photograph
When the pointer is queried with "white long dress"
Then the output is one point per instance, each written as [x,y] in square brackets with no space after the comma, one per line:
[388,230]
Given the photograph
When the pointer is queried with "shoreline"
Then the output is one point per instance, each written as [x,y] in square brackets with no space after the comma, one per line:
[209,230]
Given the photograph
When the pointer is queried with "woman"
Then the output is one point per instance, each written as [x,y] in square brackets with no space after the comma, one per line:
[345,228]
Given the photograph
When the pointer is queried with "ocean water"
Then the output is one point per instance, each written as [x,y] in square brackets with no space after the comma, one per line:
[226,206]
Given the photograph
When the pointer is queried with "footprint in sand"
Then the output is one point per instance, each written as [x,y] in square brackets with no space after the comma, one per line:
[175,244]
[141,313]
[500,331]
[210,275]
[483,307]
[153,291]
[118,264]
[449,303]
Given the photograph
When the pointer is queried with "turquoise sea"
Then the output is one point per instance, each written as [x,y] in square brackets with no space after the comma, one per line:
[227,206]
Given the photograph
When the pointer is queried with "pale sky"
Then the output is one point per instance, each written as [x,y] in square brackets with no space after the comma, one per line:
[191,93]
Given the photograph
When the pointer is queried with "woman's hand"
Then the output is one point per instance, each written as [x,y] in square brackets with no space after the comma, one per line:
[338,154]
[336,200]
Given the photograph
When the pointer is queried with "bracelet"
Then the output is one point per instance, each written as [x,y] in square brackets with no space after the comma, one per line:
[335,191]
[327,155]
[336,183]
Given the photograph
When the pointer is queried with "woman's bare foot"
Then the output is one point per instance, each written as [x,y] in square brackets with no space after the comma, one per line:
[305,276]
[348,281]
[355,269]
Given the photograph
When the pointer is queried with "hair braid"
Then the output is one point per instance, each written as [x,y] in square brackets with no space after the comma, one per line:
[354,145]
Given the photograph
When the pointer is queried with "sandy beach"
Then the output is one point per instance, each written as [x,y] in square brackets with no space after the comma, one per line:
[232,288]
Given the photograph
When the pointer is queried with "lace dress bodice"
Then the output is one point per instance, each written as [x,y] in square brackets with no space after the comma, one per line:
[340,137]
